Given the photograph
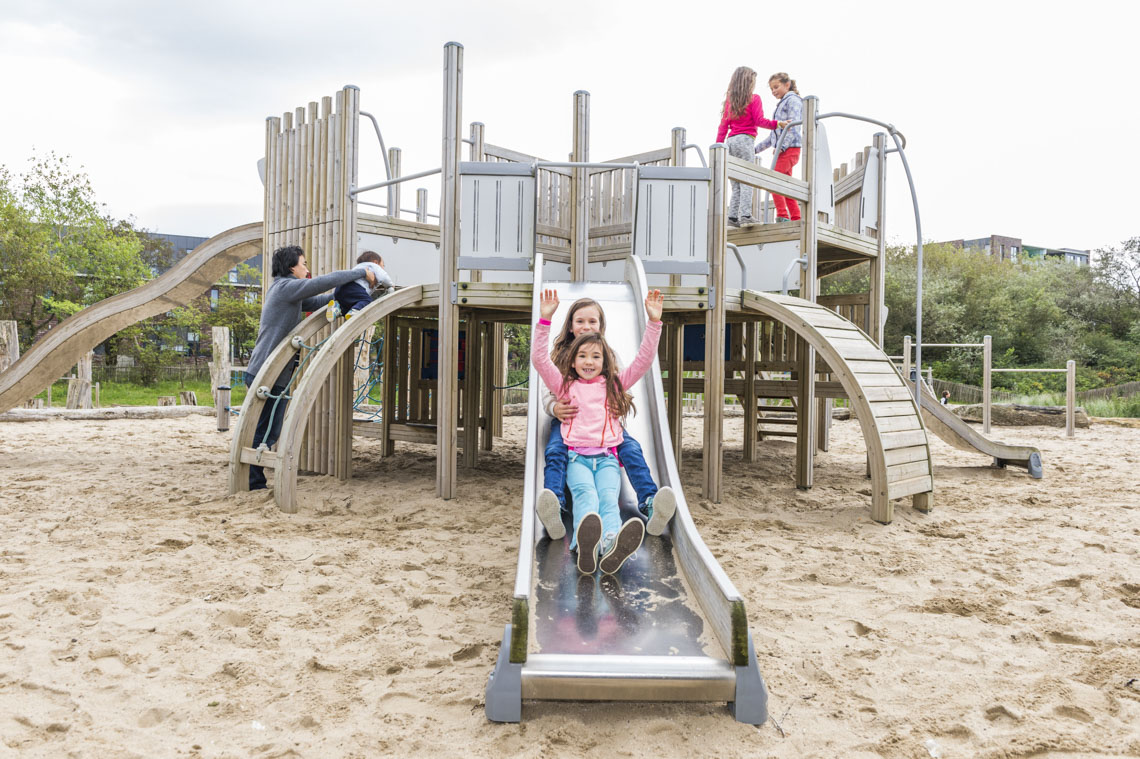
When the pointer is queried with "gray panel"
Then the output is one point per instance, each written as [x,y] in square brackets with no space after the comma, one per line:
[824,179]
[496,169]
[692,173]
[869,204]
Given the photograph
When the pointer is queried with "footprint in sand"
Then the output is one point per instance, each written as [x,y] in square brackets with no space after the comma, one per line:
[1073,712]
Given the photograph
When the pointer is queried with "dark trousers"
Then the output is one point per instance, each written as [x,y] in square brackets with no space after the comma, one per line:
[629,452]
[351,296]
[268,427]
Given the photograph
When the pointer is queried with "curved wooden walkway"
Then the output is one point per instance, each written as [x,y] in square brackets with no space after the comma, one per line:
[304,393]
[898,452]
[60,348]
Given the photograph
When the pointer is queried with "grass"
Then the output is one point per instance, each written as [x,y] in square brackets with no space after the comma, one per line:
[1128,407]
[130,394]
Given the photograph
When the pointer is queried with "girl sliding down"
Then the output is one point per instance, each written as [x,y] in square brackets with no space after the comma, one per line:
[656,506]
[589,379]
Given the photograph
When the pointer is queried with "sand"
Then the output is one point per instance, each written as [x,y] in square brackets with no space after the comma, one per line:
[146,613]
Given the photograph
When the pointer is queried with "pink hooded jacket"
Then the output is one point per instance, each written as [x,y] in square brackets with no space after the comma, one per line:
[594,429]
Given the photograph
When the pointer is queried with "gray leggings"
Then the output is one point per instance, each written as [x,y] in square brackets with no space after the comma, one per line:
[740,204]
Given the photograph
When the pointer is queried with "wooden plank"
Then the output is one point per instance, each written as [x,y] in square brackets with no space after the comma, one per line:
[898,424]
[897,393]
[907,455]
[903,488]
[908,470]
[881,366]
[878,380]
[893,408]
[908,439]
[755,175]
[259,458]
[866,351]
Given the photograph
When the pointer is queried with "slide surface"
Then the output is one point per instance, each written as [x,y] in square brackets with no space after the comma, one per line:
[62,347]
[954,430]
[670,625]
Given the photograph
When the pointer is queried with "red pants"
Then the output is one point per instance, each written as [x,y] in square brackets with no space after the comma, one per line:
[787,208]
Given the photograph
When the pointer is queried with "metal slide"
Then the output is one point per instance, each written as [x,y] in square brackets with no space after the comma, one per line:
[670,626]
[957,432]
[62,346]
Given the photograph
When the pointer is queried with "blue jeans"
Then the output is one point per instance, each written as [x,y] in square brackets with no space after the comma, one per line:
[594,484]
[266,432]
[632,458]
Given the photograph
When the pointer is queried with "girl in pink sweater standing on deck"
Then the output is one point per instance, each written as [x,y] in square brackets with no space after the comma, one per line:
[591,381]
[740,119]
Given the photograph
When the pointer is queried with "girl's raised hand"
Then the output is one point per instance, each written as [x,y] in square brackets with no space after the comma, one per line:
[654,305]
[548,304]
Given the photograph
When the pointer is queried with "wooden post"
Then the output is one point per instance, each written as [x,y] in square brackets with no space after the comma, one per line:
[9,344]
[388,387]
[220,367]
[987,381]
[187,398]
[1070,397]
[714,328]
[447,384]
[751,341]
[394,189]
[79,386]
[809,287]
[907,349]
[98,398]
[421,205]
[477,141]
[676,336]
[473,360]
[222,407]
[167,400]
[580,189]
[487,344]
[879,264]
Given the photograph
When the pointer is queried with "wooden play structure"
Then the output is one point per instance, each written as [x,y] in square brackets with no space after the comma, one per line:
[582,216]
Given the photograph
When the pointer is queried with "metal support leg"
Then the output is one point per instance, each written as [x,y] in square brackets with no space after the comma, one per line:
[504,686]
[751,704]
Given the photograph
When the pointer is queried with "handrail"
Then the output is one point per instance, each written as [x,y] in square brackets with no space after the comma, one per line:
[397,180]
[743,268]
[380,137]
[788,272]
[700,153]
[583,165]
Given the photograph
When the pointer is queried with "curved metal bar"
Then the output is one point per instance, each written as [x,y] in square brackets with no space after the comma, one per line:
[700,153]
[788,272]
[383,149]
[743,268]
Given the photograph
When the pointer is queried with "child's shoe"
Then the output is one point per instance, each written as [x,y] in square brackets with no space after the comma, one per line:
[332,310]
[588,535]
[550,514]
[733,221]
[351,314]
[660,510]
[782,219]
[744,221]
[629,539]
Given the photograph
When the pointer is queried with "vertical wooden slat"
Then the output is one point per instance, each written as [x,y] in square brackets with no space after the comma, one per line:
[715,329]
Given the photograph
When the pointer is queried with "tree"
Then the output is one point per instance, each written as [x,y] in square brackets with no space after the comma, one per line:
[59,251]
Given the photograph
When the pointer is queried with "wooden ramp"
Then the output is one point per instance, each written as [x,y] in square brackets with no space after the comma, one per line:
[898,453]
[304,391]
[62,346]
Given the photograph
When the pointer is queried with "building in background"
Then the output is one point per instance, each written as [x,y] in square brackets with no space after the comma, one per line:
[1012,249]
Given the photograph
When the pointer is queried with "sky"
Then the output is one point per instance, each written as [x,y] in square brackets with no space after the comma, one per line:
[1020,117]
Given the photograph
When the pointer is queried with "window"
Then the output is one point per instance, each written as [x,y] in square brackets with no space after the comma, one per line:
[214,299]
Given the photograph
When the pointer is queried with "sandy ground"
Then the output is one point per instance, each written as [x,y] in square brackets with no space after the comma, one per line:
[145,613]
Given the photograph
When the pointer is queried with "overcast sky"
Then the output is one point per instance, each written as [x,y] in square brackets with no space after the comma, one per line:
[1021,117]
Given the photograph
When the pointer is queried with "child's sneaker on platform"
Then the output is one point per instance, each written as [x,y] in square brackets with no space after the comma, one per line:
[587,537]
[332,310]
[660,510]
[629,539]
[550,514]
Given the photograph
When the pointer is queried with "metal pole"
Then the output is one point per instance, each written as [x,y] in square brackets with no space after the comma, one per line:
[579,189]
[987,382]
[447,383]
[1070,397]
[394,189]
[918,251]
[879,265]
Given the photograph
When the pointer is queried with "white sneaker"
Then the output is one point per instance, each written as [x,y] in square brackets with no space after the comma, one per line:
[550,514]
[661,510]
[629,539]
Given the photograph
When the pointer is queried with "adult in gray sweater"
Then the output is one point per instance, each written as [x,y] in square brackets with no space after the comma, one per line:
[289,296]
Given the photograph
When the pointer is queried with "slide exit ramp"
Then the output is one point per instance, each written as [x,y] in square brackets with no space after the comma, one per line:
[957,432]
[670,626]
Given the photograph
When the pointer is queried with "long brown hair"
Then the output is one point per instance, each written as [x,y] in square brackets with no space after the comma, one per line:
[740,89]
[619,401]
[558,354]
[783,78]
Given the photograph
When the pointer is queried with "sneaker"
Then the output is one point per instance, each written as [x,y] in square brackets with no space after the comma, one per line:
[661,510]
[351,314]
[587,537]
[629,539]
[781,219]
[746,220]
[332,310]
[550,514]
[733,221]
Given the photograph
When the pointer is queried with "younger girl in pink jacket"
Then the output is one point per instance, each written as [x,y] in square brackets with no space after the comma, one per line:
[591,380]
